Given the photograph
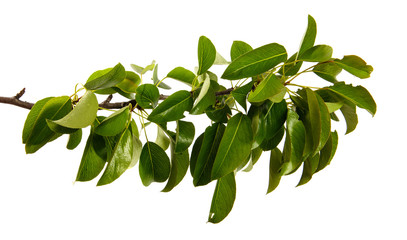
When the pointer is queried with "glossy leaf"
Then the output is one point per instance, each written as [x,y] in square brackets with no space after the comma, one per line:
[60,129]
[219,114]
[207,154]
[183,75]
[327,153]
[255,62]
[206,97]
[83,114]
[309,37]
[240,94]
[137,145]
[239,48]
[185,133]
[196,149]
[319,53]
[92,162]
[254,157]
[179,167]
[310,166]
[32,117]
[234,147]
[172,108]
[355,66]
[107,78]
[156,80]
[223,198]
[115,123]
[276,161]
[206,54]
[272,142]
[74,139]
[327,71]
[147,96]
[130,82]
[154,164]
[162,139]
[349,113]
[268,88]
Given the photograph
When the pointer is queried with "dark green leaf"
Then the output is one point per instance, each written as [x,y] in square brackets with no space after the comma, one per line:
[223,198]
[107,78]
[195,153]
[154,164]
[328,151]
[276,161]
[310,35]
[310,166]
[349,113]
[206,97]
[183,75]
[179,167]
[355,65]
[319,53]
[60,129]
[32,117]
[184,136]
[206,54]
[327,71]
[172,108]
[291,66]
[130,83]
[268,88]
[240,94]
[234,147]
[156,80]
[239,48]
[74,139]
[115,123]
[147,96]
[271,143]
[219,114]
[255,62]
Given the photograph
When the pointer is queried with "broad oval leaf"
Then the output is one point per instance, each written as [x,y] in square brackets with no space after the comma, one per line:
[355,66]
[319,53]
[115,123]
[239,48]
[172,108]
[32,117]
[223,198]
[206,54]
[268,88]
[183,75]
[327,71]
[107,78]
[154,164]
[74,139]
[147,96]
[276,162]
[130,82]
[234,147]
[255,62]
[185,133]
[83,114]
[179,167]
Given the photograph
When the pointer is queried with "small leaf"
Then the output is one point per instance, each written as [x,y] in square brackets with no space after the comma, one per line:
[310,35]
[332,107]
[240,94]
[149,67]
[156,80]
[255,62]
[107,78]
[130,83]
[223,198]
[319,53]
[219,60]
[183,75]
[254,157]
[32,117]
[219,114]
[154,164]
[172,108]
[115,123]
[239,48]
[185,133]
[147,96]
[276,161]
[137,68]
[349,113]
[310,166]
[206,54]
[328,151]
[179,167]
[234,147]
[74,139]
[162,140]
[268,88]
[206,97]
[327,71]
[355,66]
[83,114]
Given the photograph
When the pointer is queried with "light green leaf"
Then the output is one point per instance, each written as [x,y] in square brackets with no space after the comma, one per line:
[310,166]
[149,67]
[137,145]
[254,157]
[32,118]
[255,62]
[162,140]
[355,66]
[206,54]
[240,94]
[137,68]
[234,147]
[223,198]
[219,60]
[60,129]
[206,97]
[268,88]
[276,161]
[333,106]
[327,71]
[185,133]
[154,164]
[310,35]
[179,167]
[156,80]
[115,123]
[239,48]
[130,83]
[319,53]
[107,78]
[147,96]
[172,108]
[74,139]
[183,75]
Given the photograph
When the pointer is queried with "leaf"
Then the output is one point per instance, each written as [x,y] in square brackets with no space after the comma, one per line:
[319,53]
[239,48]
[325,122]
[332,107]
[59,129]
[206,97]
[74,139]
[351,118]
[355,66]
[179,167]
[149,67]
[234,147]
[137,145]
[83,114]
[147,96]
[219,60]
[327,71]
[107,78]
[328,151]
[130,82]
[276,161]
[255,62]
[206,54]
[172,108]
[254,157]
[272,142]
[357,95]
[268,88]
[195,153]
[137,68]
[219,114]
[310,166]
[154,164]
[156,80]
[223,198]
[183,75]
[207,154]
[32,117]
[162,140]
[115,123]
[240,94]
[185,133]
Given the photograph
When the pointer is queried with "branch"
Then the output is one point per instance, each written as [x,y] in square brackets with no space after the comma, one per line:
[105,104]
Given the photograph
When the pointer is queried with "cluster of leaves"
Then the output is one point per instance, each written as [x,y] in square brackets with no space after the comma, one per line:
[262,108]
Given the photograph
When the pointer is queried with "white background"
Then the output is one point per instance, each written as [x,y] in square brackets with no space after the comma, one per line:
[49,46]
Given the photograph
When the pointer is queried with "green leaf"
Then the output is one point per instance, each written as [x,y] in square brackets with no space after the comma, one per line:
[183,75]
[107,78]
[74,139]
[195,153]
[206,97]
[120,158]
[357,95]
[254,157]
[219,60]
[268,88]
[272,142]
[328,151]
[149,67]
[291,66]
[255,62]
[156,80]
[206,54]
[83,114]
[276,161]
[41,134]
[325,122]
[115,123]
[234,147]
[240,94]
[223,198]
[154,164]
[310,166]
[207,154]
[327,71]
[318,53]
[32,117]
[349,113]
[130,83]
[179,167]
[137,68]
[332,107]
[185,133]
[219,114]
[59,129]
[310,35]
[355,66]
[147,96]
[162,140]
[239,48]
[172,108]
